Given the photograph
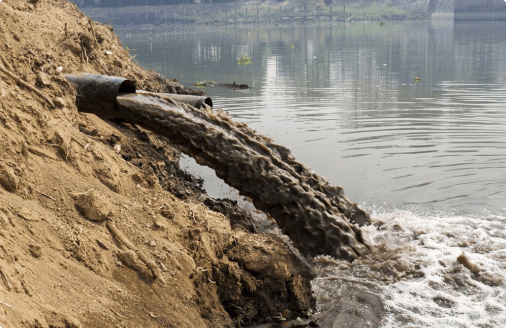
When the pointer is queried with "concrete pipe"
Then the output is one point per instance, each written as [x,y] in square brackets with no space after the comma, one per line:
[97,93]
[195,101]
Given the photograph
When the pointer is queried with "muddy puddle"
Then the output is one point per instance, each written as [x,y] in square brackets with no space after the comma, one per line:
[316,216]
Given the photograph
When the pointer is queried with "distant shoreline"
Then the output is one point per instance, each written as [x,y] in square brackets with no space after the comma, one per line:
[251,13]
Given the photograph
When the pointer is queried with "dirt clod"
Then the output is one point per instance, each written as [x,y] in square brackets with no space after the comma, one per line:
[36,251]
[58,101]
[43,79]
[8,178]
[93,207]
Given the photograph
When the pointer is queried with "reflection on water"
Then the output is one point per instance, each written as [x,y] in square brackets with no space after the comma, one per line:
[409,118]
[403,114]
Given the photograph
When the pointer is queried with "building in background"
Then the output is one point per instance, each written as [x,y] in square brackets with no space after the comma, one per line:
[489,10]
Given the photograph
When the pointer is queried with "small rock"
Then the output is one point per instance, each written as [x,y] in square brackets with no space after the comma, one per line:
[43,79]
[93,206]
[152,243]
[58,101]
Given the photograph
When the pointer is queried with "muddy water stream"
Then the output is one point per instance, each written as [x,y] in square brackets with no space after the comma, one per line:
[313,213]
[427,156]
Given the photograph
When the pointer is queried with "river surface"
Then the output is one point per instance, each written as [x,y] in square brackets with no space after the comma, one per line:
[409,118]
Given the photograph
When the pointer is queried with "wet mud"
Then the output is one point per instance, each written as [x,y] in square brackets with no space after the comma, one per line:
[239,218]
[316,216]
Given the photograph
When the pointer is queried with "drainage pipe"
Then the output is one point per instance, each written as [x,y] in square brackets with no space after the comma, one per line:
[195,101]
[97,94]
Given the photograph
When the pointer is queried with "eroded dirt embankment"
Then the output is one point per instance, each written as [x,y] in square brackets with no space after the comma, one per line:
[99,227]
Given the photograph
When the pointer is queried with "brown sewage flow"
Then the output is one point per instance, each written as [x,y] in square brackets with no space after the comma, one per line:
[316,216]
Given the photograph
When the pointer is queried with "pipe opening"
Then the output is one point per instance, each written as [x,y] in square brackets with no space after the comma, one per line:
[209,102]
[127,87]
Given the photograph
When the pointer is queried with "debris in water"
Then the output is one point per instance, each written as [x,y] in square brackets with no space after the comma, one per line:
[234,85]
[202,84]
[244,60]
[463,259]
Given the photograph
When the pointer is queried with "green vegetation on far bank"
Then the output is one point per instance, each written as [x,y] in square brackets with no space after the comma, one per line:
[259,13]
[366,11]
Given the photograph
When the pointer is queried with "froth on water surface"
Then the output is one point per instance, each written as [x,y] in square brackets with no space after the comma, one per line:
[431,271]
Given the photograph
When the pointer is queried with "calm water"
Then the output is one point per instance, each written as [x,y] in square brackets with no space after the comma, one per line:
[409,118]
[348,104]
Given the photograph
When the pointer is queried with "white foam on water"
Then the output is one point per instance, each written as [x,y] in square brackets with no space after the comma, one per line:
[416,272]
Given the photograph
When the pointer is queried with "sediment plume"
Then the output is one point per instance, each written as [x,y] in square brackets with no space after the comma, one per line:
[316,216]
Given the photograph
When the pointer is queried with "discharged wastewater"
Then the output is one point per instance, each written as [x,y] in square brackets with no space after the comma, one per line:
[314,214]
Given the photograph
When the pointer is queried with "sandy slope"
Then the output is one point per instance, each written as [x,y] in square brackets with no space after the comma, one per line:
[98,225]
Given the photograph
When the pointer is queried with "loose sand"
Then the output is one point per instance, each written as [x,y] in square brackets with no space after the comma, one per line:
[99,227]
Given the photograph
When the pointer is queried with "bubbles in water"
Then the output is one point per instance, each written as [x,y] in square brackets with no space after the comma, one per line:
[429,271]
